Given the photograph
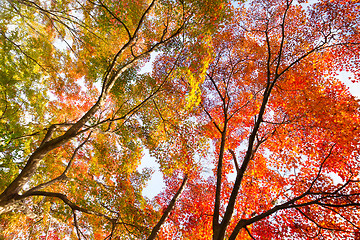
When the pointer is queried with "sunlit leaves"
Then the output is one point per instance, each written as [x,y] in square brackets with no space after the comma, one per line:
[237,92]
[305,139]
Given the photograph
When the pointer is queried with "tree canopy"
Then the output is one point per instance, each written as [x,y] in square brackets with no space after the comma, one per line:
[255,135]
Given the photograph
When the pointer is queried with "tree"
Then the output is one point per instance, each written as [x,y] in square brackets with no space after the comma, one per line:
[60,176]
[251,94]
[283,128]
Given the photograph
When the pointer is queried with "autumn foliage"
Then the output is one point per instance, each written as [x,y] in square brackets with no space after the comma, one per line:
[244,110]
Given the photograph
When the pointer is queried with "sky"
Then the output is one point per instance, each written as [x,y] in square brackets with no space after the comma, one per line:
[354,88]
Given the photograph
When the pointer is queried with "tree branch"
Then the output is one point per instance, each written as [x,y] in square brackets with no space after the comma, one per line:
[63,175]
[168,210]
[235,160]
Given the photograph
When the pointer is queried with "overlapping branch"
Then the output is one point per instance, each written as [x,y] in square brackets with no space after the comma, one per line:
[111,75]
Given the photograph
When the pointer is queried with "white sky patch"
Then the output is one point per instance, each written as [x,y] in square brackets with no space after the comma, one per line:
[354,88]
[147,68]
[11,27]
[61,45]
[336,178]
[81,82]
[156,183]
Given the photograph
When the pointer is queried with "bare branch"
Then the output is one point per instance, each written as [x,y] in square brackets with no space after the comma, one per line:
[247,230]
[65,199]
[281,48]
[78,231]
[63,175]
[320,169]
[212,120]
[168,210]
[23,52]
[235,160]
